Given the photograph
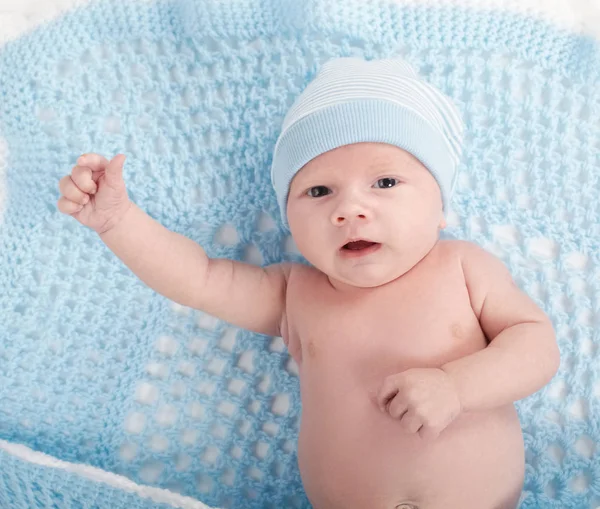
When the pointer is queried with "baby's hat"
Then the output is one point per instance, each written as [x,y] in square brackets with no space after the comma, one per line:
[352,100]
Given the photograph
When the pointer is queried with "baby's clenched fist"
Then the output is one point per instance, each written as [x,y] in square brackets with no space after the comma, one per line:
[95,193]
[424,400]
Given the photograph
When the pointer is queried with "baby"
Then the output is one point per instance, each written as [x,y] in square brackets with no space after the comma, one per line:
[411,349]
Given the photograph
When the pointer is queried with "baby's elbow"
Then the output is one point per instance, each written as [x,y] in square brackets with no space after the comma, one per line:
[554,362]
[553,351]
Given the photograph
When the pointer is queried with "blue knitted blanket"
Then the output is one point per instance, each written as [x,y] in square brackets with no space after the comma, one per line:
[110,395]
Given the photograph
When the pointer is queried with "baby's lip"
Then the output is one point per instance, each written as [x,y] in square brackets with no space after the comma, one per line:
[357,239]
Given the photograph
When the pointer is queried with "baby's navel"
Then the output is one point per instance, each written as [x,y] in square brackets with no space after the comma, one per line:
[312,349]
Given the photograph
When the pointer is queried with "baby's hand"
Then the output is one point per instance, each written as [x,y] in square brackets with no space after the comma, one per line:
[94,193]
[424,399]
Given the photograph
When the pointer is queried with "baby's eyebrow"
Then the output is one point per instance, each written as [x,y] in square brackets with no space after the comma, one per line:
[386,162]
[380,162]
[405,168]
[385,166]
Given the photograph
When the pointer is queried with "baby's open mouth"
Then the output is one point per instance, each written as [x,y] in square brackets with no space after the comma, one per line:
[359,248]
[357,245]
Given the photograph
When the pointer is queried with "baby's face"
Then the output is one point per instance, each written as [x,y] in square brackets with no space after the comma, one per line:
[371,191]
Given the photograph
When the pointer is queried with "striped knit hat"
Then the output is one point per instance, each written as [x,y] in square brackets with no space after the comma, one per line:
[353,100]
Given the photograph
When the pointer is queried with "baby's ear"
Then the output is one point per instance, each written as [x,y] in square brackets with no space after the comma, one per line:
[443,223]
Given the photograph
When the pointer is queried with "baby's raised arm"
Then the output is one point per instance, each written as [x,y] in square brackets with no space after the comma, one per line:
[245,295]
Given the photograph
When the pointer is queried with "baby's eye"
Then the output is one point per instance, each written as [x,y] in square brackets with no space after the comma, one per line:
[386,183]
[317,191]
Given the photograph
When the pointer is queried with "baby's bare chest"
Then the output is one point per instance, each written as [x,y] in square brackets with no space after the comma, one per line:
[424,320]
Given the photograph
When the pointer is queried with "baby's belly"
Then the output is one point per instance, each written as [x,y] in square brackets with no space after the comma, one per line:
[352,455]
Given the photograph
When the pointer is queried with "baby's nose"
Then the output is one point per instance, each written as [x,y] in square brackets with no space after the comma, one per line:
[342,219]
[349,210]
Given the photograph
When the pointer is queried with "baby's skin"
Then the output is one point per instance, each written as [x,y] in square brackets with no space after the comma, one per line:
[352,453]
[411,349]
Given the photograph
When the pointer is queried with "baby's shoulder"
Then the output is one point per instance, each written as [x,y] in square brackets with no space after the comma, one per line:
[455,248]
[473,260]
[468,251]
[479,265]
[301,272]
[303,281]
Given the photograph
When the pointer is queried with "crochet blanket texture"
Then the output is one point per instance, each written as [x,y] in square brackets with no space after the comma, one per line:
[104,376]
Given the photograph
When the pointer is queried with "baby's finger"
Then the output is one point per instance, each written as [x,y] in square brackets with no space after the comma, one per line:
[397,408]
[410,422]
[71,192]
[68,206]
[430,432]
[94,162]
[388,390]
[82,177]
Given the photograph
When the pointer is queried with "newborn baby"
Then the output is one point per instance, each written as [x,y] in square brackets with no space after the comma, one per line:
[411,349]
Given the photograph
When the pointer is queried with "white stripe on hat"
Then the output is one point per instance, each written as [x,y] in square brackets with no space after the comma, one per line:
[347,79]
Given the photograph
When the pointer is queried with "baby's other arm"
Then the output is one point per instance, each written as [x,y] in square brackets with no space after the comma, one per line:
[245,295]
[522,355]
[248,296]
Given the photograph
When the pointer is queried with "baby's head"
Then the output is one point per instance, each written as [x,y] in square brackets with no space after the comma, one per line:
[368,151]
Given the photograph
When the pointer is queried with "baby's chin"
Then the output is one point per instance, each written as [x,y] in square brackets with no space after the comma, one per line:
[364,277]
